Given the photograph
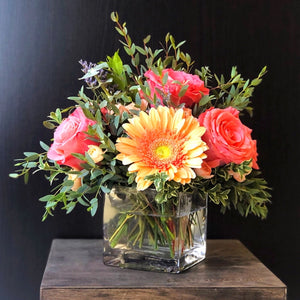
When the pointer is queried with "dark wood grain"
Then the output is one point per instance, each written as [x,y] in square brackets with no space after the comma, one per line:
[75,271]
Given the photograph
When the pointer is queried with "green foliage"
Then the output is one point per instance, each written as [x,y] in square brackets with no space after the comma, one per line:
[248,197]
[118,73]
[121,86]
[235,92]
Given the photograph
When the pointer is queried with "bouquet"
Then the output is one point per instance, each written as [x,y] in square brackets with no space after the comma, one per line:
[152,122]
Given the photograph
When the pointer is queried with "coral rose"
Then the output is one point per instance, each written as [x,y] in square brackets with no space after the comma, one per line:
[193,94]
[70,137]
[227,138]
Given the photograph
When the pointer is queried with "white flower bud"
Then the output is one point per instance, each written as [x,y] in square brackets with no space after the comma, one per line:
[95,153]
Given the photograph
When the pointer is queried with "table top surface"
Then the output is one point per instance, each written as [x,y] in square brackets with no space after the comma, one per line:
[78,263]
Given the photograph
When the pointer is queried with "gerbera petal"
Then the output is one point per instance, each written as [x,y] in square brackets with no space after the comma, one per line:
[143,184]
[199,131]
[170,173]
[125,148]
[133,168]
[194,162]
[130,159]
[154,117]
[182,173]
[127,141]
[195,152]
[164,120]
[134,130]
[191,144]
[144,119]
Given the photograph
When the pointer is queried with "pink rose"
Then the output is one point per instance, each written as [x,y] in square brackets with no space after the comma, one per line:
[193,94]
[227,138]
[69,137]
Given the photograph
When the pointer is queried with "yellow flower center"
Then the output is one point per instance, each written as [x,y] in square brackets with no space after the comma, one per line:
[163,152]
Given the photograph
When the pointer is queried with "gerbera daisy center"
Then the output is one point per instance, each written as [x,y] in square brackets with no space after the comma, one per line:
[163,152]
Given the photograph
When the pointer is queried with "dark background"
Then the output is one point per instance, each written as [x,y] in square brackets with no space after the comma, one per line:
[40,44]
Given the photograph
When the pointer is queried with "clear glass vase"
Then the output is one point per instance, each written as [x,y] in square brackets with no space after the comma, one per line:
[141,234]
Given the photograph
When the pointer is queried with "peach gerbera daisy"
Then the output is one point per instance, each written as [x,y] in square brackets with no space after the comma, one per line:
[164,140]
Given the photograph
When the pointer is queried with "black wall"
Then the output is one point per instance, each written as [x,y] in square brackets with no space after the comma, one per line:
[40,44]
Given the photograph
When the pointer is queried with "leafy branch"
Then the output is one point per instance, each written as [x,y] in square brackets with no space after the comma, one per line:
[235,92]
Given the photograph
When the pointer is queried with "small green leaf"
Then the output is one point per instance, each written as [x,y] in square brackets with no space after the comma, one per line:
[13,175]
[103,104]
[141,50]
[99,131]
[89,160]
[114,16]
[70,207]
[105,189]
[50,204]
[106,177]
[68,183]
[52,176]
[95,173]
[46,198]
[74,98]
[236,78]
[256,81]
[48,125]
[117,121]
[115,63]
[204,100]
[32,164]
[128,50]
[183,90]
[146,39]
[180,44]
[44,146]
[58,114]
[94,206]
[262,72]
[165,79]
[233,71]
[78,155]
[119,31]
[137,59]
[167,38]
[172,41]
[82,202]
[28,154]
[246,85]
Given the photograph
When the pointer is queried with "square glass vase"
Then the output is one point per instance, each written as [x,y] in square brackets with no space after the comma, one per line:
[141,234]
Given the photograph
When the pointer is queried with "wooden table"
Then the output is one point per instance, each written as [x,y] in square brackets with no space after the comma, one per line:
[75,271]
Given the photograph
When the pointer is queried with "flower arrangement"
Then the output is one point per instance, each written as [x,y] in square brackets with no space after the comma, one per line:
[155,122]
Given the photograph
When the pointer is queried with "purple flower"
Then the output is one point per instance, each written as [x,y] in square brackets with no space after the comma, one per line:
[90,81]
